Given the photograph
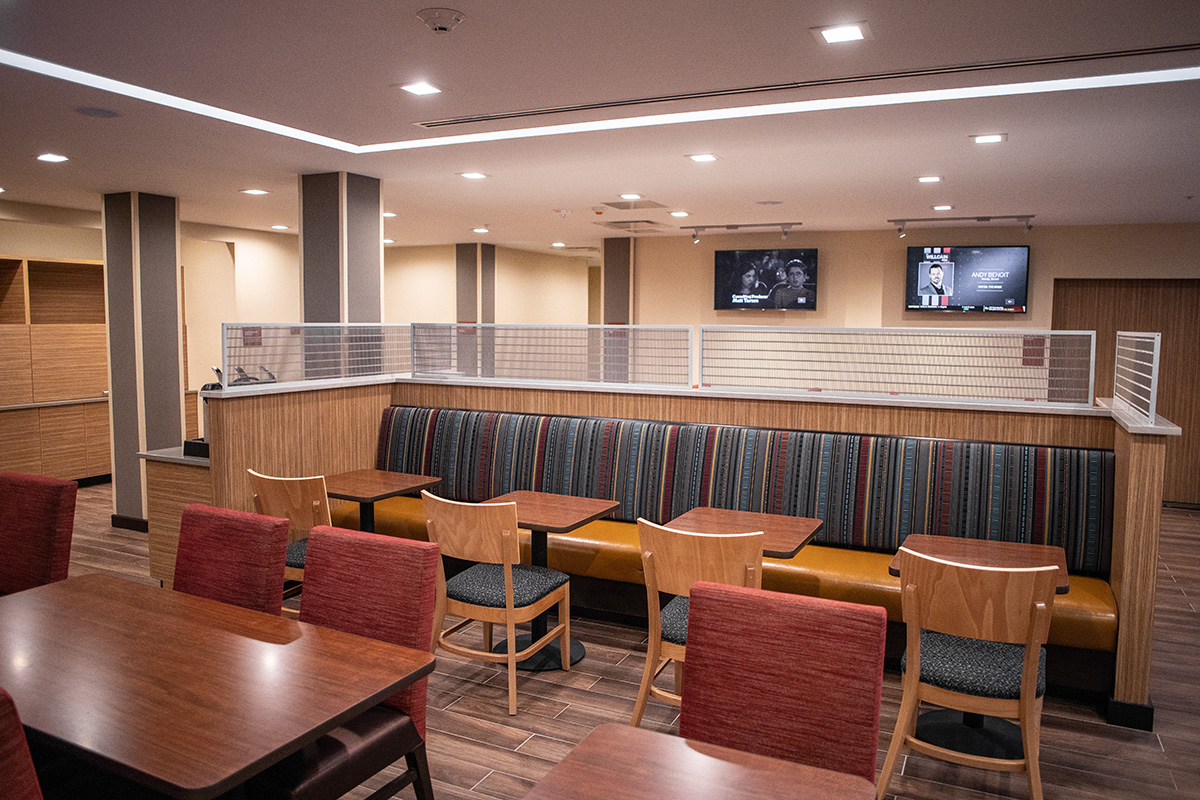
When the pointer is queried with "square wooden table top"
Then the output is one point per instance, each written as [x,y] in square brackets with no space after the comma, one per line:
[784,535]
[185,695]
[988,553]
[621,761]
[555,513]
[372,485]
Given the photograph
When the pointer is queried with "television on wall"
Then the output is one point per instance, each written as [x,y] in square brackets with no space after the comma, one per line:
[986,278]
[765,279]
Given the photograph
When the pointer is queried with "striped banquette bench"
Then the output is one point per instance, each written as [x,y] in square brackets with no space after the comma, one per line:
[870,491]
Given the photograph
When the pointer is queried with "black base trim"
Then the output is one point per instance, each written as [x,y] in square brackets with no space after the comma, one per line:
[130,523]
[94,480]
[1131,715]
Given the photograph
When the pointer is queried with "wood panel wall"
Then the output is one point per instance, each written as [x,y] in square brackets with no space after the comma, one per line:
[66,293]
[20,450]
[1169,307]
[12,292]
[69,361]
[172,488]
[16,384]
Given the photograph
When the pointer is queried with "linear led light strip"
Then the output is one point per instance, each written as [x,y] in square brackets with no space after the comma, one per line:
[741,112]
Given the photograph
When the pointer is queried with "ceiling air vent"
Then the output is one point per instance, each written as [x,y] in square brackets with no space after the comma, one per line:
[628,205]
[634,226]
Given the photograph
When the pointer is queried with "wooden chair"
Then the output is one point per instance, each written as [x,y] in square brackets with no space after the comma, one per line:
[975,643]
[232,556]
[37,519]
[672,561]
[498,588]
[385,588]
[301,501]
[16,765]
[783,675]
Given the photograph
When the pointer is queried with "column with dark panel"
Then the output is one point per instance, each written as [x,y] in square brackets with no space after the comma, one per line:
[617,278]
[341,266]
[145,351]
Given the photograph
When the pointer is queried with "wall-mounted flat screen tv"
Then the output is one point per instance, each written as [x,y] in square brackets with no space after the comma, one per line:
[967,279]
[766,279]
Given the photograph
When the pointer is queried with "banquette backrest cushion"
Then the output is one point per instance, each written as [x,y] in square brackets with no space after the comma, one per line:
[871,491]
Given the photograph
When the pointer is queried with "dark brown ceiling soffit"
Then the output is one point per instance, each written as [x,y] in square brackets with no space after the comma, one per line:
[779,87]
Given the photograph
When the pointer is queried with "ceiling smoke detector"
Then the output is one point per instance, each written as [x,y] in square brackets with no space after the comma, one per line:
[441,20]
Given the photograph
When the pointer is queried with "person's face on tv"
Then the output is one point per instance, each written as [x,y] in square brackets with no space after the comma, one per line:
[748,278]
[795,277]
[935,276]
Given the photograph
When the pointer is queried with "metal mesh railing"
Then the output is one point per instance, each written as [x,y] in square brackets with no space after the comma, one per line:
[640,355]
[1135,373]
[1050,367]
[257,354]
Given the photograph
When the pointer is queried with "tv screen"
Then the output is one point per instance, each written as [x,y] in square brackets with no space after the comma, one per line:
[967,278]
[766,279]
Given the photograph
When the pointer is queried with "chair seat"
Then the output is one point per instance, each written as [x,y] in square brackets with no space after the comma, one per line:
[344,757]
[483,585]
[674,616]
[297,552]
[973,666]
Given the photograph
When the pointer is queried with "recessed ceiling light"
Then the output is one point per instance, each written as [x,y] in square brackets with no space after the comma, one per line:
[279,227]
[990,138]
[942,208]
[558,244]
[255,191]
[53,158]
[1,189]
[421,88]
[836,34]
[474,176]
[482,229]
[929,179]
[389,214]
[631,196]
[703,157]
[679,213]
[389,241]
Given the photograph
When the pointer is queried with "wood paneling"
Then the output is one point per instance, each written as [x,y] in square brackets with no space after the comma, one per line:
[16,384]
[1169,307]
[170,488]
[66,293]
[63,436]
[1046,429]
[20,449]
[12,292]
[99,439]
[69,361]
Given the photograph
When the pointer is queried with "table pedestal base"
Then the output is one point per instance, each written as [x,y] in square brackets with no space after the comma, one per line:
[544,660]
[971,733]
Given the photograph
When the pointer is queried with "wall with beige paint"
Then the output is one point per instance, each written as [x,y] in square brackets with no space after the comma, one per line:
[540,288]
[418,284]
[28,240]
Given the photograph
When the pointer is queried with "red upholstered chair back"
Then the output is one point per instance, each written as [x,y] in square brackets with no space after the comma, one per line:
[16,767]
[232,556]
[37,518]
[793,677]
[379,586]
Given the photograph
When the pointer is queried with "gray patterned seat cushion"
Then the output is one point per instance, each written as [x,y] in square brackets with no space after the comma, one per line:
[674,616]
[297,551]
[974,666]
[483,585]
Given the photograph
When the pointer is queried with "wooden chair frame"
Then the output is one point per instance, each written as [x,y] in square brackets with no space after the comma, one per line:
[1003,605]
[672,561]
[488,534]
[302,501]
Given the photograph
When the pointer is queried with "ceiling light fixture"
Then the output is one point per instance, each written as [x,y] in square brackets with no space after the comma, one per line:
[929,179]
[780,226]
[990,138]
[943,208]
[631,196]
[783,229]
[679,213]
[845,32]
[1026,218]
[279,227]
[421,88]
[558,244]
[53,158]
[389,214]
[703,157]
[900,231]
[1,189]
[481,229]
[389,241]
[696,236]
[255,191]
[473,176]
[441,20]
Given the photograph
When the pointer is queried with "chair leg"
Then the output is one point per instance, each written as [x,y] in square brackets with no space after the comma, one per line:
[417,761]
[564,619]
[487,636]
[906,725]
[1030,741]
[639,706]
[512,667]
[678,677]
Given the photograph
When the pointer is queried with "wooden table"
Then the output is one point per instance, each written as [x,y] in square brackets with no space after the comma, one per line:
[542,513]
[988,553]
[784,535]
[620,761]
[187,696]
[366,486]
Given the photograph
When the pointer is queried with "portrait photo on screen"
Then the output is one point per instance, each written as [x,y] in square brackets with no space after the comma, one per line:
[765,279]
[958,278]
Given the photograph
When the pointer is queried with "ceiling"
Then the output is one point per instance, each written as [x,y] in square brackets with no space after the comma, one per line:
[1118,154]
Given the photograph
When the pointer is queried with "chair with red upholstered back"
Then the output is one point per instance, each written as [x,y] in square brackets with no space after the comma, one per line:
[792,677]
[232,556]
[37,519]
[385,588]
[16,767]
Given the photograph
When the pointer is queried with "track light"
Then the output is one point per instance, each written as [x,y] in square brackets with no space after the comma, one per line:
[783,230]
[1016,218]
[696,237]
[900,231]
[1028,225]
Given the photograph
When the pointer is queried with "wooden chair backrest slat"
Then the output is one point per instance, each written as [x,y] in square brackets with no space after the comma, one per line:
[302,501]
[976,602]
[485,533]
[680,558]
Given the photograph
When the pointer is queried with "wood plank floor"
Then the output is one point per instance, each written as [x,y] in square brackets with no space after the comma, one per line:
[477,751]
